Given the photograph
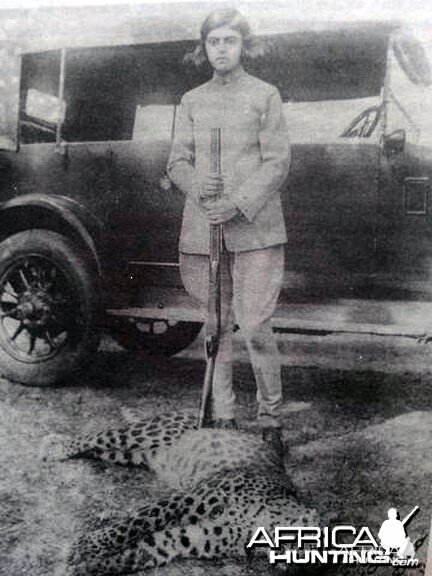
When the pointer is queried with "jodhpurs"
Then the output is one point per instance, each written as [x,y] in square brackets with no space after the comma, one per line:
[251,283]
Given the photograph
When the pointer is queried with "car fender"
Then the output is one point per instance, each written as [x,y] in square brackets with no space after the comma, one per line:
[58,213]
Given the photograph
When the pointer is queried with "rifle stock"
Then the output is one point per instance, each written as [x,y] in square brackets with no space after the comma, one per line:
[213,325]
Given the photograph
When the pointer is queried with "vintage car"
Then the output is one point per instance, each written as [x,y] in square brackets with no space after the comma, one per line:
[89,221]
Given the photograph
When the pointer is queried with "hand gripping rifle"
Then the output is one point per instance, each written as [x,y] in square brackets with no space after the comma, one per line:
[213,326]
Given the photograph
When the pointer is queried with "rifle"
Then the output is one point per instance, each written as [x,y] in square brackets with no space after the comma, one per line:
[410,515]
[213,325]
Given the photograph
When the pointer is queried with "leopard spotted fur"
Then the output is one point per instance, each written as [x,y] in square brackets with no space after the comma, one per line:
[227,483]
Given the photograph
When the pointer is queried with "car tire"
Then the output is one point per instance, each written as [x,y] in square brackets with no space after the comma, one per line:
[48,307]
[155,337]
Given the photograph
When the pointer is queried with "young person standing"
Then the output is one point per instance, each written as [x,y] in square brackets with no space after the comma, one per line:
[245,199]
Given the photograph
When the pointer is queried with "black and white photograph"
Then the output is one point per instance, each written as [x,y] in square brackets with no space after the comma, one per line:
[215,288]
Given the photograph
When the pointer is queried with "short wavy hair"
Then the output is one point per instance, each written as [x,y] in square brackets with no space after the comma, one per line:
[251,46]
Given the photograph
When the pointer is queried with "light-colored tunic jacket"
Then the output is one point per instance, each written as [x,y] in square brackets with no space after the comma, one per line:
[255,158]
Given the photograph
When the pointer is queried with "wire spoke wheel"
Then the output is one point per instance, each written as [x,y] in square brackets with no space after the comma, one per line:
[37,309]
[48,307]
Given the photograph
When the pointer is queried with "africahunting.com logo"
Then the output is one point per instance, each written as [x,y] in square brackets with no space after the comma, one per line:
[342,544]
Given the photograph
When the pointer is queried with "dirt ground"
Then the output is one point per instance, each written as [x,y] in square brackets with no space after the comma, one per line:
[357,443]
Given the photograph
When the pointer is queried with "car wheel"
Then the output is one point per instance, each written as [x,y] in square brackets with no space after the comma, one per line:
[48,307]
[154,336]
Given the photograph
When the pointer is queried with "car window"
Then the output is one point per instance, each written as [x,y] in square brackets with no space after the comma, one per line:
[124,92]
[39,84]
[329,120]
[110,93]
[129,92]
[153,122]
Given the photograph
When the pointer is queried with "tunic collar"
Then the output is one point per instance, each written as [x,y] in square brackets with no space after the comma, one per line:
[229,79]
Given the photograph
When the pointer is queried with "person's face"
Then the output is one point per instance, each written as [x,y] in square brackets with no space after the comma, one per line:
[223,46]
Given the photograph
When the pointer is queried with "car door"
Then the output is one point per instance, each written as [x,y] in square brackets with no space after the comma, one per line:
[57,155]
[330,197]
[405,221]
[150,209]
[10,62]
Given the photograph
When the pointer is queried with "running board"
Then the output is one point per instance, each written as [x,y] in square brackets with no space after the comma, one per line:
[388,318]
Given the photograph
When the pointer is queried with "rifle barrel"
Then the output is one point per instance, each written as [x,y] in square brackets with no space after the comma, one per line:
[215,150]
[410,515]
[213,325]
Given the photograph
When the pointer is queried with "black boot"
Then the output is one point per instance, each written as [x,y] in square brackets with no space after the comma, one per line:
[225,424]
[272,436]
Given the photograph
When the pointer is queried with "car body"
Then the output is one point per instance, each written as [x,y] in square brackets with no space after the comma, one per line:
[84,141]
